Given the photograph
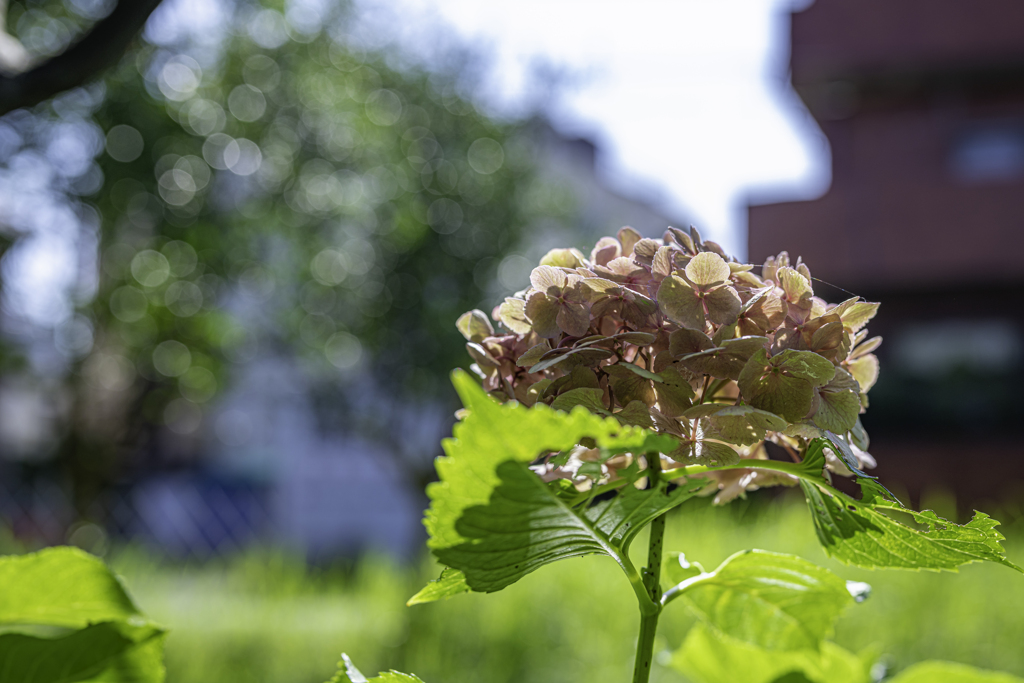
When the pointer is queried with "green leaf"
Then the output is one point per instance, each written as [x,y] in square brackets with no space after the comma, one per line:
[61,587]
[678,569]
[950,672]
[775,601]
[863,534]
[525,525]
[451,582]
[495,520]
[708,657]
[348,673]
[842,449]
[108,652]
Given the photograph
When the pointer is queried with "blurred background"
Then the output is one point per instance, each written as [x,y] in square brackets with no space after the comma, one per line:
[235,236]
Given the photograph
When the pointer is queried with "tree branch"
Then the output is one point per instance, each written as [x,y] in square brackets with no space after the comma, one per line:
[99,49]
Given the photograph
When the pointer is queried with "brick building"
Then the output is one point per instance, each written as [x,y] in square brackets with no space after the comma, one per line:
[922,102]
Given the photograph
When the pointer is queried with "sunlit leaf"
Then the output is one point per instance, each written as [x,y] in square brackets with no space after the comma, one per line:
[107,652]
[61,587]
[451,582]
[707,269]
[775,601]
[865,533]
[512,314]
[67,588]
[493,519]
[348,673]
[951,672]
[563,258]
[549,280]
[709,657]
[865,370]
[474,326]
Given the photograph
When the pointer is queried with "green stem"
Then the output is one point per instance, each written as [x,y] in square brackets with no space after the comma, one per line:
[652,583]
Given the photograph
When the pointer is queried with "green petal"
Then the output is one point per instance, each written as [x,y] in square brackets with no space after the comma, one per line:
[723,305]
[512,314]
[707,269]
[542,310]
[679,302]
[548,279]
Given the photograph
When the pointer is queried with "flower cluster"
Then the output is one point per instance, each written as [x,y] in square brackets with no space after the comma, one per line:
[675,336]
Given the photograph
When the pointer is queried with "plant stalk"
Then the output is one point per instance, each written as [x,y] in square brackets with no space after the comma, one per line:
[652,582]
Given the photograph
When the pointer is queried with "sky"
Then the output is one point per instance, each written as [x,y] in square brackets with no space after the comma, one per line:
[688,100]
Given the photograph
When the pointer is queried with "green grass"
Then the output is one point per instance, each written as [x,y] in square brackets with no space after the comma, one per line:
[265,617]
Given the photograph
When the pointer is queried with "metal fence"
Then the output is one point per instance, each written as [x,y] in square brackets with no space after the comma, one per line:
[178,515]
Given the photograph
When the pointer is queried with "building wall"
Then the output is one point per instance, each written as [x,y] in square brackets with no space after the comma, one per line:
[922,102]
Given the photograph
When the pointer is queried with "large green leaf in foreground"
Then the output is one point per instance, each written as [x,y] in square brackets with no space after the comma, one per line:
[60,587]
[109,652]
[97,635]
[862,533]
[949,672]
[495,520]
[769,599]
[709,657]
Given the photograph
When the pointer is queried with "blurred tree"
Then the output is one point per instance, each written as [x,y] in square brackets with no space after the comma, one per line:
[276,190]
[25,81]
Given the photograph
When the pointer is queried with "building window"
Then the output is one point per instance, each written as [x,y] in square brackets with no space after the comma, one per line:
[989,153]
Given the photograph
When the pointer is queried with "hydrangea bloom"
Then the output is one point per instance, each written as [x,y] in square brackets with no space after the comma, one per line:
[675,336]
